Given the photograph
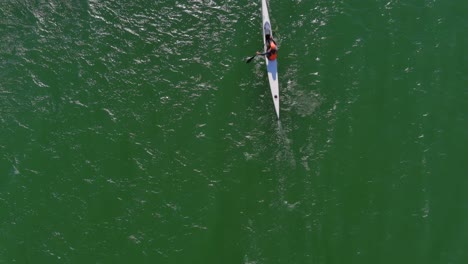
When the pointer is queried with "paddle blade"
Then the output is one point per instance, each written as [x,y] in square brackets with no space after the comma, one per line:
[250,59]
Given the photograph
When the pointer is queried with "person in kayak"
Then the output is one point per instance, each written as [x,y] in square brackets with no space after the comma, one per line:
[272,50]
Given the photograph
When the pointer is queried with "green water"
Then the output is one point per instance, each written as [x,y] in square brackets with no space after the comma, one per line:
[134,132]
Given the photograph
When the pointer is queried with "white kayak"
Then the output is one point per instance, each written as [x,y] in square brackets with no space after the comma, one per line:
[272,66]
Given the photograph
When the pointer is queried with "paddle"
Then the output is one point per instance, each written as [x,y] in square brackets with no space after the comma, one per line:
[251,58]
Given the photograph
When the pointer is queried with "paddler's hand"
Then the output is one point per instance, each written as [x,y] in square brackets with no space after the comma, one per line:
[258,52]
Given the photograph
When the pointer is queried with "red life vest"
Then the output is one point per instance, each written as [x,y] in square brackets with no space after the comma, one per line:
[273,51]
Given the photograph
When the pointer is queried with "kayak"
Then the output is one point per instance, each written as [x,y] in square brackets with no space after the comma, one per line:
[272,66]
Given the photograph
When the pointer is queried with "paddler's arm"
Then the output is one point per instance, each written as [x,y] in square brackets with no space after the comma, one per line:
[265,53]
